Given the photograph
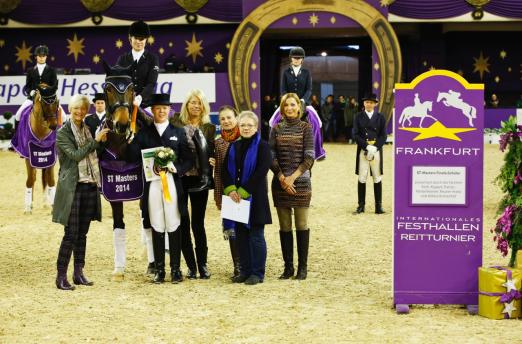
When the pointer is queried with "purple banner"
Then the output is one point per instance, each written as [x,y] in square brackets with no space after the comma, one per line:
[121,181]
[438,125]
[42,156]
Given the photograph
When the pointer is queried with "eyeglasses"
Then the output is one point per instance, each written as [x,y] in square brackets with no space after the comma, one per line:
[245,126]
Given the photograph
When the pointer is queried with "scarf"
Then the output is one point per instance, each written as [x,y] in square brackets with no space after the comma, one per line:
[82,136]
[230,135]
[249,165]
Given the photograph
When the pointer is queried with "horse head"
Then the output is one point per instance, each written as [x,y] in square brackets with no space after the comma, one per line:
[119,95]
[46,105]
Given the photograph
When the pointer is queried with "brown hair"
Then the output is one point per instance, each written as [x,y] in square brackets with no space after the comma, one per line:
[228,107]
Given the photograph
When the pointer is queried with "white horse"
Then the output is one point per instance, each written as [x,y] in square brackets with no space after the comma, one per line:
[452,99]
[420,111]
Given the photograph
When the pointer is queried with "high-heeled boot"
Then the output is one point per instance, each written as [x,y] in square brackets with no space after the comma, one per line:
[287,249]
[303,239]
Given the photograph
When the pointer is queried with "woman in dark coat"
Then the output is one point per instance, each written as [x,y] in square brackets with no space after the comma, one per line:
[244,177]
[164,217]
[77,199]
[195,120]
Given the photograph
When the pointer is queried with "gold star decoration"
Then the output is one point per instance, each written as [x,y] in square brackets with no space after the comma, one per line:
[432,68]
[161,50]
[254,105]
[481,65]
[52,58]
[313,19]
[96,59]
[194,48]
[118,43]
[227,45]
[254,85]
[171,44]
[385,3]
[2,43]
[6,68]
[23,54]
[254,66]
[376,66]
[460,72]
[295,20]
[333,20]
[218,58]
[424,63]
[503,54]
[75,47]
[497,79]
[437,129]
[151,40]
[375,85]
[509,69]
[102,51]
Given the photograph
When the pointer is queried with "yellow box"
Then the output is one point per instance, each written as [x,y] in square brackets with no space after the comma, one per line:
[490,281]
[518,261]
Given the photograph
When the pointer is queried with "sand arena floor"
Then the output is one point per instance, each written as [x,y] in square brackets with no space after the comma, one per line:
[346,298]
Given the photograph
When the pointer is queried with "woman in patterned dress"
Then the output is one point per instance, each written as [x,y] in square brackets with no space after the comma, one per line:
[292,146]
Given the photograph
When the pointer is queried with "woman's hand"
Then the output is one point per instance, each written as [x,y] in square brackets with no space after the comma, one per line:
[101,136]
[212,162]
[235,196]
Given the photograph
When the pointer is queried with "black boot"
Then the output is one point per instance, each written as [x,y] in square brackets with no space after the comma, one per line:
[61,280]
[303,238]
[377,191]
[175,256]
[205,170]
[158,242]
[201,257]
[361,197]
[78,276]
[287,248]
[234,252]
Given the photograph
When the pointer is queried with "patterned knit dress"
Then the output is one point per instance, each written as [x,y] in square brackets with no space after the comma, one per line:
[292,146]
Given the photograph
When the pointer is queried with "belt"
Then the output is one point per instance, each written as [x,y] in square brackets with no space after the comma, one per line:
[370,142]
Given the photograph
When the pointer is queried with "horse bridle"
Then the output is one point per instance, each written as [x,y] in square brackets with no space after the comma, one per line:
[49,100]
[121,88]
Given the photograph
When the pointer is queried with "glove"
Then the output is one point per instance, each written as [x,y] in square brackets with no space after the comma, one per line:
[32,93]
[371,149]
[130,137]
[229,233]
[137,100]
[171,167]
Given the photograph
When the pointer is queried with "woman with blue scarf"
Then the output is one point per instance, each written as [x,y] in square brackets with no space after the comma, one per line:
[244,177]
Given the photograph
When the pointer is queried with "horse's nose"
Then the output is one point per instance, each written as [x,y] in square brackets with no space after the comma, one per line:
[53,126]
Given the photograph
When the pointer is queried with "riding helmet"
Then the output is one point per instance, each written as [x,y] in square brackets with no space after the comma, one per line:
[370,96]
[139,29]
[41,50]
[297,52]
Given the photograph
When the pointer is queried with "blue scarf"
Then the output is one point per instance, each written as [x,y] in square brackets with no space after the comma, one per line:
[249,165]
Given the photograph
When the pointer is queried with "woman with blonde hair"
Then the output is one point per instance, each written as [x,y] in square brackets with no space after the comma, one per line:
[292,145]
[194,118]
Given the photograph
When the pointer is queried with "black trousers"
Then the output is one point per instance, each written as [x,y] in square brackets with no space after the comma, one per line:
[117,215]
[83,210]
[198,202]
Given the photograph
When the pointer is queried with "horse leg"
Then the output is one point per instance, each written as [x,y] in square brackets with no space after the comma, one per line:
[422,119]
[119,241]
[29,185]
[51,188]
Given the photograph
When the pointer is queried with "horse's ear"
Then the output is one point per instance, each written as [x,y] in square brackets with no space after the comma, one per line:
[106,67]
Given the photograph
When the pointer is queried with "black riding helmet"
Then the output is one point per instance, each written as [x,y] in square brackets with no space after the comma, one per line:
[139,29]
[297,52]
[41,50]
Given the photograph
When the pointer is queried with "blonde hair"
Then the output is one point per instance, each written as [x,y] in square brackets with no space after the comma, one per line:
[248,114]
[184,114]
[79,100]
[287,96]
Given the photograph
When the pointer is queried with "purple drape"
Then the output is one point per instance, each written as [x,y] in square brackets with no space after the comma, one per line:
[66,11]
[505,8]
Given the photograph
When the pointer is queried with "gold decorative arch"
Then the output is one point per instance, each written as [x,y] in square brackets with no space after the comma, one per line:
[251,28]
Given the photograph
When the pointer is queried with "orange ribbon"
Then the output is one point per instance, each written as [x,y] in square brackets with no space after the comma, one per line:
[133,119]
[165,185]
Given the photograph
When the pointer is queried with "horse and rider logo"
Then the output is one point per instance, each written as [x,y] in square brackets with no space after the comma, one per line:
[422,110]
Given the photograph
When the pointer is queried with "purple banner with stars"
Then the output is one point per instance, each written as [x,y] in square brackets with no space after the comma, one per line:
[438,205]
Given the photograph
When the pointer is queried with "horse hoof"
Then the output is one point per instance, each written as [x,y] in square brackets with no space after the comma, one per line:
[118,275]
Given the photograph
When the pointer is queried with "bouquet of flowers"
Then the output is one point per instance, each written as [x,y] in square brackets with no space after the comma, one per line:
[508,230]
[163,157]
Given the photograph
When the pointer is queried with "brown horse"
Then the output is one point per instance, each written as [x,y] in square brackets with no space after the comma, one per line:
[34,140]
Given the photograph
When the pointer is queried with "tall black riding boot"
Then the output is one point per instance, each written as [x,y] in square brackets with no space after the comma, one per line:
[201,257]
[303,239]
[175,256]
[158,243]
[377,191]
[205,170]
[361,197]
[287,249]
[234,252]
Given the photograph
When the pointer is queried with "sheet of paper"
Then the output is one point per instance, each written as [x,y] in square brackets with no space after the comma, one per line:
[147,155]
[239,212]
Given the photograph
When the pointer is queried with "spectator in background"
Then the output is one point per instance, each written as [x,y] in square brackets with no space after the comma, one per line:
[316,104]
[267,110]
[338,113]
[349,113]
[329,118]
[494,101]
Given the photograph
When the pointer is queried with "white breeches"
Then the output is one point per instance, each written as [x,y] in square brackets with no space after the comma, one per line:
[365,166]
[25,104]
[164,216]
